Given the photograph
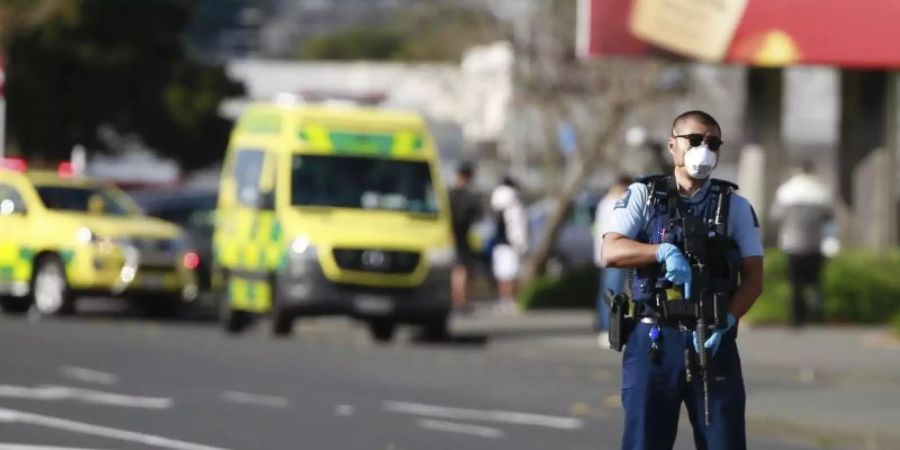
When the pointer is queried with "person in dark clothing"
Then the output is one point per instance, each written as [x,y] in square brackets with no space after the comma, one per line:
[464,210]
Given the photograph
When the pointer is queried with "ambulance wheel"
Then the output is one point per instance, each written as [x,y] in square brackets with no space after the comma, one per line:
[233,321]
[282,323]
[50,289]
[15,305]
[382,330]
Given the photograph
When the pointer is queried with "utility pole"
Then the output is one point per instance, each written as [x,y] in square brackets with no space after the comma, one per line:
[2,106]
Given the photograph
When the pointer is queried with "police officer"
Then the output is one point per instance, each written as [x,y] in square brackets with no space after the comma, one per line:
[661,351]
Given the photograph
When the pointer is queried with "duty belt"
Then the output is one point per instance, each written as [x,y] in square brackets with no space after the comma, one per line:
[675,311]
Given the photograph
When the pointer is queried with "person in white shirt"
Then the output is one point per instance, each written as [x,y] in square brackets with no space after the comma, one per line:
[511,241]
[801,209]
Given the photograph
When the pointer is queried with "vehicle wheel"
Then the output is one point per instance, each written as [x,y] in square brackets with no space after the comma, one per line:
[233,321]
[382,330]
[282,320]
[50,289]
[282,323]
[15,305]
[436,329]
[556,266]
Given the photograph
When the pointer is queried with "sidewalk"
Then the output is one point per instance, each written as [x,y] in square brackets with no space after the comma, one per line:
[836,384]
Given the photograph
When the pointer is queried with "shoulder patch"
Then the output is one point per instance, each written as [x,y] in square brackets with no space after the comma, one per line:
[623,201]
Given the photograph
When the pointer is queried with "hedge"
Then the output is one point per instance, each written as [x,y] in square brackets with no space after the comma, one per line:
[576,289]
[859,287]
[895,324]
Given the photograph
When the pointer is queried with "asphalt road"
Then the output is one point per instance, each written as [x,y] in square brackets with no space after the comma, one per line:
[107,381]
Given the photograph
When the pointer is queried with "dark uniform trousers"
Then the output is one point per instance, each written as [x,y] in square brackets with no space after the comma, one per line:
[653,391]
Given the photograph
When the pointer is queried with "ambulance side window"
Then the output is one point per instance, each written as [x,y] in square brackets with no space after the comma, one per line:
[248,165]
[11,201]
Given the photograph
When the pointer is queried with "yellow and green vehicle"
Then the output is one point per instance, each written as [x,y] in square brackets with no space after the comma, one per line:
[328,210]
[66,237]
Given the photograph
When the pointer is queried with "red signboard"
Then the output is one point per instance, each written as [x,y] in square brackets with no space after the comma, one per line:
[859,33]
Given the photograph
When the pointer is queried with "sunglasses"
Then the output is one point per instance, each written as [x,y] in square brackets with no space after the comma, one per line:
[696,139]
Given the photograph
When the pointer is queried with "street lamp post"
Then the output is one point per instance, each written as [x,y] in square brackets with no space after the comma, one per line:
[2,106]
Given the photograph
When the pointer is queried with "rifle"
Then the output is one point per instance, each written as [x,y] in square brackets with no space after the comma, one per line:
[696,237]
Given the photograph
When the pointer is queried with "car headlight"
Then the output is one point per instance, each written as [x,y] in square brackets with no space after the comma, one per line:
[441,257]
[85,235]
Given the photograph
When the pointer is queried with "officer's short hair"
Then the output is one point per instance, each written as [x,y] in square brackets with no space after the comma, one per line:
[700,116]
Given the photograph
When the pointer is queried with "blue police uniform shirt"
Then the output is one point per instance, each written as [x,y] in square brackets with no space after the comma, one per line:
[631,215]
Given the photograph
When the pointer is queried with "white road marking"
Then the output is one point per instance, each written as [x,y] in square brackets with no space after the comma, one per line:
[344,410]
[106,432]
[58,393]
[453,427]
[37,447]
[88,375]
[270,401]
[512,417]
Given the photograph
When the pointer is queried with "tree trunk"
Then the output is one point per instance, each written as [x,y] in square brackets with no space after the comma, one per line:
[589,158]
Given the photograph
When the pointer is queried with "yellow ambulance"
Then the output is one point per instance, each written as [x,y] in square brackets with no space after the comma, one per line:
[65,237]
[333,210]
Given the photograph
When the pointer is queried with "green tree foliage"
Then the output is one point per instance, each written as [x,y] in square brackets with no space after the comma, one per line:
[432,32]
[122,64]
[17,16]
[355,43]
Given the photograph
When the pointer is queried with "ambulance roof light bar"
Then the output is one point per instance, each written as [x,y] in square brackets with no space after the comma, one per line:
[15,164]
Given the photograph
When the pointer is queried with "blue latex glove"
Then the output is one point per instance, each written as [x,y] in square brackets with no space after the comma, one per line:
[713,341]
[678,270]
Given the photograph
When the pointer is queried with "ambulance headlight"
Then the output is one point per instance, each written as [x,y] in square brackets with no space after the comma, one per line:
[303,248]
[302,253]
[441,257]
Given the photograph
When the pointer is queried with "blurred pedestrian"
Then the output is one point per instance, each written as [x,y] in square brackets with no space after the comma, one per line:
[678,353]
[641,155]
[610,278]
[465,209]
[511,242]
[801,210]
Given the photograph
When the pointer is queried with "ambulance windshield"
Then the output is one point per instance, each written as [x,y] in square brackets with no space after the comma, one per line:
[363,182]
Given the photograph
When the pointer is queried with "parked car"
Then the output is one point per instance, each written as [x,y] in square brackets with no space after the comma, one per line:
[67,238]
[575,243]
[191,208]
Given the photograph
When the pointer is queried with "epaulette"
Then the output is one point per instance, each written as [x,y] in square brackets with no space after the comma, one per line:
[722,184]
[650,179]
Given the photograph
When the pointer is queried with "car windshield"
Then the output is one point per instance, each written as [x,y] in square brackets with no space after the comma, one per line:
[364,183]
[184,211]
[78,199]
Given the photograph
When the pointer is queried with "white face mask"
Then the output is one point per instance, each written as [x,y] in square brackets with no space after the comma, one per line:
[700,162]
